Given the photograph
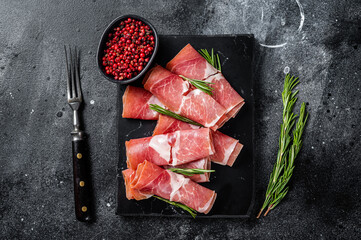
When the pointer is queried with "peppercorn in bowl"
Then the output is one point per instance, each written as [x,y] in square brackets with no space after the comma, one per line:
[127,49]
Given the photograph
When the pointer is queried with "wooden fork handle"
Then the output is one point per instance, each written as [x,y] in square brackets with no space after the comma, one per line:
[82,181]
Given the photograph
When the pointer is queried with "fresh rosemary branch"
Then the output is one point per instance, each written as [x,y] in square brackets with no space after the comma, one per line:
[288,147]
[212,58]
[190,171]
[180,205]
[201,85]
[163,111]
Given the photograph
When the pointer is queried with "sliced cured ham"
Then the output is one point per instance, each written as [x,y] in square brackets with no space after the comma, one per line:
[173,149]
[225,95]
[190,63]
[178,96]
[131,193]
[136,104]
[167,124]
[226,148]
[150,179]
[204,163]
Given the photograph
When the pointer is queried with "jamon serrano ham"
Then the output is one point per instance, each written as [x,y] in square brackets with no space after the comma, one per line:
[131,193]
[177,95]
[167,124]
[136,104]
[226,148]
[204,163]
[150,179]
[174,148]
[175,143]
[225,95]
[190,63]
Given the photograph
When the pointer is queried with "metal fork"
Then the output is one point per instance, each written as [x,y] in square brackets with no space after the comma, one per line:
[81,170]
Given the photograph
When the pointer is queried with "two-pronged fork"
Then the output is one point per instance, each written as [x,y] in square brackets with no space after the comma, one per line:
[82,180]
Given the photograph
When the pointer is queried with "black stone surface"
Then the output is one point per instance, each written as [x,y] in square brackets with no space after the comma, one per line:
[36,198]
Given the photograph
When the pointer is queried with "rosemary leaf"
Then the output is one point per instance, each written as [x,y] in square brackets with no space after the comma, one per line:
[190,171]
[219,63]
[163,111]
[212,58]
[201,85]
[289,147]
[191,211]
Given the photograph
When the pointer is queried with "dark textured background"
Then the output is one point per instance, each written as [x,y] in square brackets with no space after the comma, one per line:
[36,198]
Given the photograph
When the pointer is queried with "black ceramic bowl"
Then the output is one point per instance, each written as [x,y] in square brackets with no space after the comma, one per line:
[104,39]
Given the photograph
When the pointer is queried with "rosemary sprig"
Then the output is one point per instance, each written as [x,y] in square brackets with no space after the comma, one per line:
[180,205]
[201,85]
[163,111]
[190,171]
[288,147]
[212,58]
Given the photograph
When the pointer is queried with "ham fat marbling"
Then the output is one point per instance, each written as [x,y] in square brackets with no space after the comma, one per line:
[136,102]
[180,97]
[173,149]
[204,163]
[149,179]
[175,143]
[226,148]
[190,63]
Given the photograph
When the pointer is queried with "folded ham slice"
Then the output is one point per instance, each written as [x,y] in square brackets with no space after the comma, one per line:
[225,95]
[174,148]
[178,96]
[167,124]
[150,179]
[131,193]
[190,63]
[136,104]
[204,163]
[226,148]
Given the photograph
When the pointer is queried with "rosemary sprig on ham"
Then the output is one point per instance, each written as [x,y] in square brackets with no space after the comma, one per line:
[180,205]
[212,58]
[164,111]
[288,147]
[190,171]
[201,85]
